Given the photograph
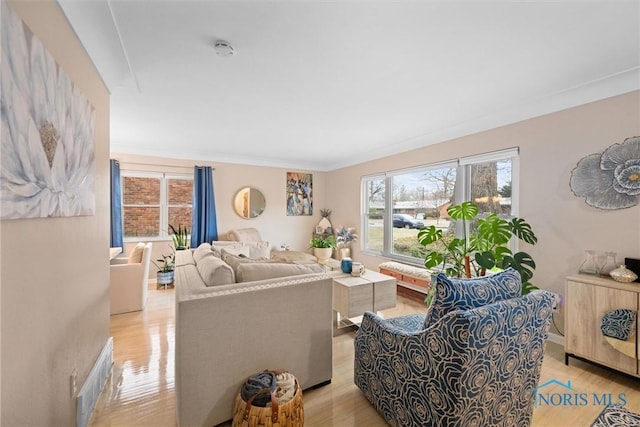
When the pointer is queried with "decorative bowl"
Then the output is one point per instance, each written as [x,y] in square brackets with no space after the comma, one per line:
[623,274]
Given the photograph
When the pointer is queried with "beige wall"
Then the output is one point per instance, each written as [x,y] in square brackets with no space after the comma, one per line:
[274,224]
[55,271]
[550,147]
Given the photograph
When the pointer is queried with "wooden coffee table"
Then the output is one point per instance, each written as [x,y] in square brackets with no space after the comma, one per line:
[352,296]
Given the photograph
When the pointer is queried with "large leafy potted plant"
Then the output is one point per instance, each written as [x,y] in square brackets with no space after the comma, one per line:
[484,248]
[323,247]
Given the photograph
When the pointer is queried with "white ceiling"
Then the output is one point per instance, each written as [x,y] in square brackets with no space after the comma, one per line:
[325,84]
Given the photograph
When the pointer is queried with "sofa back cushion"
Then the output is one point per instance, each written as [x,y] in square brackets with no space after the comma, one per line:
[214,271]
[249,272]
[201,251]
[453,294]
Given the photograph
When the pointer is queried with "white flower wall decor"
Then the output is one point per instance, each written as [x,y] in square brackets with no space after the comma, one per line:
[610,180]
[48,131]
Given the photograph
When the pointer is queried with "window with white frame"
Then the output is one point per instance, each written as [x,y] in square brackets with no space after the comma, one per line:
[396,204]
[152,200]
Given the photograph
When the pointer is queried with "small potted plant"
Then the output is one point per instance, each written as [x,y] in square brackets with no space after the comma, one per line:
[323,247]
[180,237]
[165,267]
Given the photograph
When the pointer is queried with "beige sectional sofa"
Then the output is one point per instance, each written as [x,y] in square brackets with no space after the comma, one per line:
[227,331]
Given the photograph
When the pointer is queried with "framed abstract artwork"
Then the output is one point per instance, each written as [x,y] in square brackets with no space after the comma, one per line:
[48,131]
[299,194]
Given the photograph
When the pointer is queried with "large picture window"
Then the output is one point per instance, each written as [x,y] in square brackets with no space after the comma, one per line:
[397,204]
[152,201]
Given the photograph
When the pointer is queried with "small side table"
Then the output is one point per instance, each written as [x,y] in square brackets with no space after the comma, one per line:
[353,295]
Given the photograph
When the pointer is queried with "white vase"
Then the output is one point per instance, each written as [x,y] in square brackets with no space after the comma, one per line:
[344,253]
[323,254]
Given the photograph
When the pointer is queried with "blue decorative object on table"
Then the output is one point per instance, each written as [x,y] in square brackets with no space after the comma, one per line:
[346,265]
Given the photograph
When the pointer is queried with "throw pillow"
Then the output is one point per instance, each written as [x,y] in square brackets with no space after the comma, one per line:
[453,294]
[619,324]
[236,249]
[259,249]
[135,256]
[214,271]
[217,245]
[235,260]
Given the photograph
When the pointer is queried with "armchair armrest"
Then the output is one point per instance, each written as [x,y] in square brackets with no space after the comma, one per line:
[119,260]
[126,272]
[406,325]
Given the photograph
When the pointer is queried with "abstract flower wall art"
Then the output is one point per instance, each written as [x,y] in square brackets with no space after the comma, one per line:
[610,180]
[48,131]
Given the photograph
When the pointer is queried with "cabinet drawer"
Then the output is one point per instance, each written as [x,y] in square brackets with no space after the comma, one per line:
[391,273]
[415,281]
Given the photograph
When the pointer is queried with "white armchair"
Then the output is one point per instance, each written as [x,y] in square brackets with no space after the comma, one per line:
[129,280]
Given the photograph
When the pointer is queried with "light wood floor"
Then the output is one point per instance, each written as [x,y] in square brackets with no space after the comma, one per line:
[140,391]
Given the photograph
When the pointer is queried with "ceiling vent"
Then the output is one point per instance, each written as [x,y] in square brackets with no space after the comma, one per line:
[223,48]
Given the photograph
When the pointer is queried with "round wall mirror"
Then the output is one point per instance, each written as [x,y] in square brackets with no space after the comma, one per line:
[249,203]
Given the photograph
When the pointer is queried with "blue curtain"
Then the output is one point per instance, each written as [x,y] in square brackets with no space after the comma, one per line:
[116,205]
[204,227]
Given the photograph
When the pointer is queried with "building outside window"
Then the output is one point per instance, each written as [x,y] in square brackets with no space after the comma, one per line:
[397,204]
[152,201]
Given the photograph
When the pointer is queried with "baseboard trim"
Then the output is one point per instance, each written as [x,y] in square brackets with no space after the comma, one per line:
[555,338]
[93,385]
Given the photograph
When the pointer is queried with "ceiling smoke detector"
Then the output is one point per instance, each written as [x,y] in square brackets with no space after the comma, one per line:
[223,48]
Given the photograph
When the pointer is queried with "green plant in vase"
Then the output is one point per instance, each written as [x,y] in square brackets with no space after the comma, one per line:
[167,262]
[323,247]
[165,266]
[180,237]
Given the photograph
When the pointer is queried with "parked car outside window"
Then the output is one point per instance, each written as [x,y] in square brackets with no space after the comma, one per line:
[406,221]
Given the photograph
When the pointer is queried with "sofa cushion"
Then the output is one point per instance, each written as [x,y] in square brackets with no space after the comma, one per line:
[135,256]
[214,271]
[249,272]
[294,257]
[453,294]
[235,260]
[201,251]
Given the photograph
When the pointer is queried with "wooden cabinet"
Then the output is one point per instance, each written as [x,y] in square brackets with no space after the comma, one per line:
[587,300]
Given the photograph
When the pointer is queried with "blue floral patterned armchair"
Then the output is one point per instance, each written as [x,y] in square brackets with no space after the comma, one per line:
[473,360]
